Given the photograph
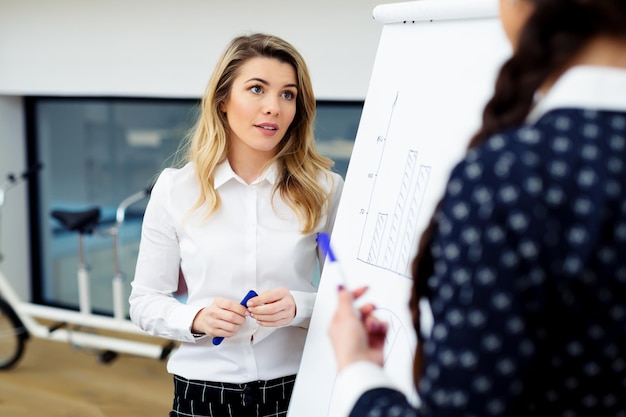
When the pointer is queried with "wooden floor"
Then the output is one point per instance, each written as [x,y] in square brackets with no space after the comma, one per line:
[54,380]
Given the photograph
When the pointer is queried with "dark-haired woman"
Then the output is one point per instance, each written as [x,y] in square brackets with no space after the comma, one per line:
[524,261]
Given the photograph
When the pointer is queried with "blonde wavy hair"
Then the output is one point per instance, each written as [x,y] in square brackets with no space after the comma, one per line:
[299,164]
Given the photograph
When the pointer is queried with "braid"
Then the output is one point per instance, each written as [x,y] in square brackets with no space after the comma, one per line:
[553,34]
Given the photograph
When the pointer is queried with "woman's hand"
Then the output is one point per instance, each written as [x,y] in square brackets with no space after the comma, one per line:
[356,335]
[273,308]
[223,318]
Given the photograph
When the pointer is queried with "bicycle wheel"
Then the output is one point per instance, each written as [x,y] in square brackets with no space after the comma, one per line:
[13,336]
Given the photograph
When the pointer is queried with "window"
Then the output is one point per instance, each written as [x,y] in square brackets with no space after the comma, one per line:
[96,152]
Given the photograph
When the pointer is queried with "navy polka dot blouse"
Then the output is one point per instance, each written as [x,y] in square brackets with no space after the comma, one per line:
[529,287]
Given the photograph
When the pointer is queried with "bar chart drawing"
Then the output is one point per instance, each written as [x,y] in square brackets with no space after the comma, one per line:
[390,231]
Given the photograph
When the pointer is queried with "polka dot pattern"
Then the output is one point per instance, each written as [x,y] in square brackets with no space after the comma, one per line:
[529,286]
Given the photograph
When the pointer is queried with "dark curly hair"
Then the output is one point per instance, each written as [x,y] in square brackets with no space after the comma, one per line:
[554,33]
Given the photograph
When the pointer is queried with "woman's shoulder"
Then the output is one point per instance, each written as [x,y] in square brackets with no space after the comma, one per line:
[330,180]
[175,178]
[336,177]
[557,138]
[182,173]
[545,156]
[526,147]
[507,163]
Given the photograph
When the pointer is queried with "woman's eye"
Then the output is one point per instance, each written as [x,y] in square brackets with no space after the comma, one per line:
[256,89]
[288,95]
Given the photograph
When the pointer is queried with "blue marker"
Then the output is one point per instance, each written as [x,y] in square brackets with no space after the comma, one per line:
[324,241]
[251,294]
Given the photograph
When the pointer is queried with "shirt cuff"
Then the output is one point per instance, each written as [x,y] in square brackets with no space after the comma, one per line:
[181,319]
[304,308]
[354,381]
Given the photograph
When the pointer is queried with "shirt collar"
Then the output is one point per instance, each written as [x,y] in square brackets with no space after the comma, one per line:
[589,87]
[225,173]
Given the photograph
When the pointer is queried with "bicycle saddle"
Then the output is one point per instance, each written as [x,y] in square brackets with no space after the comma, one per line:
[82,221]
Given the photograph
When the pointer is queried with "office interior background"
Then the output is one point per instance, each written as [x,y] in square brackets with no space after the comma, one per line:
[102,93]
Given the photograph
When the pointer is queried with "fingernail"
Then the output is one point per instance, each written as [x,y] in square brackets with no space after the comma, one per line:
[340,287]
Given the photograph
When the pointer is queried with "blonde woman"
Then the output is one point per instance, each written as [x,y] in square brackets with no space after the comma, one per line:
[243,213]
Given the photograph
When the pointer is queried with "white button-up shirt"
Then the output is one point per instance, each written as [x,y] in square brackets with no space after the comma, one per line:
[253,242]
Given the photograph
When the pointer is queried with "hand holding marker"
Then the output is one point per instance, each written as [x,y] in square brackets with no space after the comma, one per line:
[251,294]
[324,241]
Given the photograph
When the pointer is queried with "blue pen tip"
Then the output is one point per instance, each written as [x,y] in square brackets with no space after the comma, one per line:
[324,241]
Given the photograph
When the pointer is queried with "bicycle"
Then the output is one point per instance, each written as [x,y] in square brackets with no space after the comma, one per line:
[20,320]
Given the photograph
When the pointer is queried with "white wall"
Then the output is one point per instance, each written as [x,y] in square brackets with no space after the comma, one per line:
[168,48]
[156,48]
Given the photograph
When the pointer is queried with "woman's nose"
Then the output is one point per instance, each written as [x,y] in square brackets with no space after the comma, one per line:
[270,105]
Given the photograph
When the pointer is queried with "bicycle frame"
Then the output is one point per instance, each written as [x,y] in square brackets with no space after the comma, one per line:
[118,278]
[63,331]
[77,327]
